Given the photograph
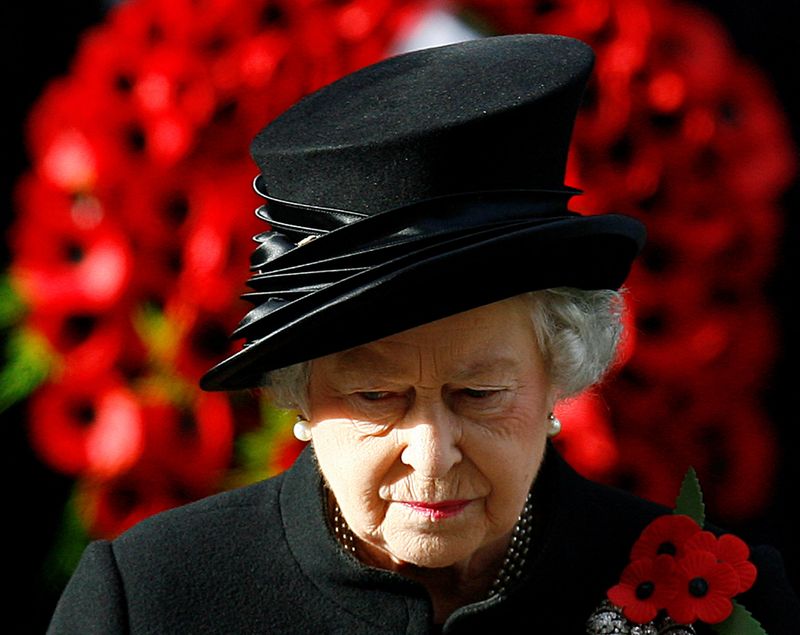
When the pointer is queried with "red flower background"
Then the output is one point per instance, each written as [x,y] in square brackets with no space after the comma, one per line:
[131,237]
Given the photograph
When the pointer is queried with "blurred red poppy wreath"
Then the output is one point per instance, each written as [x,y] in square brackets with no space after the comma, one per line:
[132,232]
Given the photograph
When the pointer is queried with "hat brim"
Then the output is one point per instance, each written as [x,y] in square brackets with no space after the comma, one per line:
[586,252]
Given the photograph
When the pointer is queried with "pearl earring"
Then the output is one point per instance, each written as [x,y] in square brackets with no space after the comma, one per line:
[301,430]
[554,425]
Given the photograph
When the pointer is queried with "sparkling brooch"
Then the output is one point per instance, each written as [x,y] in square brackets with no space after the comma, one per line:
[608,619]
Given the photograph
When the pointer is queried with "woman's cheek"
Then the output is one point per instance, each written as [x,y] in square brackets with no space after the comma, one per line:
[363,458]
[530,411]
[336,449]
[513,425]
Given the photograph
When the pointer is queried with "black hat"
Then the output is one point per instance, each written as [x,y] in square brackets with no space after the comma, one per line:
[425,185]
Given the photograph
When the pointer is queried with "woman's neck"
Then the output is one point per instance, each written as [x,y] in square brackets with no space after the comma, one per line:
[451,587]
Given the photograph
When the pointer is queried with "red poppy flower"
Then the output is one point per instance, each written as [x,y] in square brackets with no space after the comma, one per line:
[109,507]
[89,429]
[192,444]
[57,141]
[645,587]
[89,344]
[704,590]
[665,535]
[745,131]
[216,245]
[79,139]
[201,341]
[730,549]
[68,252]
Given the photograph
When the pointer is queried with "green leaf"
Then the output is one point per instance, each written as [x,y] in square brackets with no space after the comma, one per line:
[159,333]
[255,447]
[690,498]
[11,305]
[70,542]
[29,361]
[740,622]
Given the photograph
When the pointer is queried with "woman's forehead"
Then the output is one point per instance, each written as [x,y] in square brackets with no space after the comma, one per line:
[401,358]
[497,337]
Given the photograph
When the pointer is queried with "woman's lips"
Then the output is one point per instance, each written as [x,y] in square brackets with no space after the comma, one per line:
[437,511]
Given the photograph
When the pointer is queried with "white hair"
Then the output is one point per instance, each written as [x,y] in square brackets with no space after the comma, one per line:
[577,331]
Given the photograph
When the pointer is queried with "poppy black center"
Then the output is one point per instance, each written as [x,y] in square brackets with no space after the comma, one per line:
[645,590]
[667,548]
[698,587]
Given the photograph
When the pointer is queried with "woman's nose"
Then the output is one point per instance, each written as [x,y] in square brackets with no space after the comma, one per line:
[432,439]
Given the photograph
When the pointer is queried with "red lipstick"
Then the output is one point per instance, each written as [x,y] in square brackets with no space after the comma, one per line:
[438,511]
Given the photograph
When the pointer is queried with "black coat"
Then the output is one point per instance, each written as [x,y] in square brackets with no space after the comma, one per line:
[262,560]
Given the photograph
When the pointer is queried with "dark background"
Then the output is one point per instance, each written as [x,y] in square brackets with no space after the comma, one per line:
[38,40]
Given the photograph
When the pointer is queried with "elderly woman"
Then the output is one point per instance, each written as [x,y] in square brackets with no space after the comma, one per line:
[424,298]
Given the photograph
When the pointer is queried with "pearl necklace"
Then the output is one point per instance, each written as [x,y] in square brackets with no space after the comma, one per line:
[342,531]
[517,553]
[513,563]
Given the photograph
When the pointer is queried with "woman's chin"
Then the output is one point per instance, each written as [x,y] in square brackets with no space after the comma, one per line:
[432,552]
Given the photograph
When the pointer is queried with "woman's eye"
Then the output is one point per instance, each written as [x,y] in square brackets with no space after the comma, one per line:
[374,412]
[480,401]
[479,393]
[374,395]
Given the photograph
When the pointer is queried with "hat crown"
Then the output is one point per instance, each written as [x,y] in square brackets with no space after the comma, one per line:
[484,115]
[423,186]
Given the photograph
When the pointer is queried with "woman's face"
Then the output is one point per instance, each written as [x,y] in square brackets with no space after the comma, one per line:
[430,439]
